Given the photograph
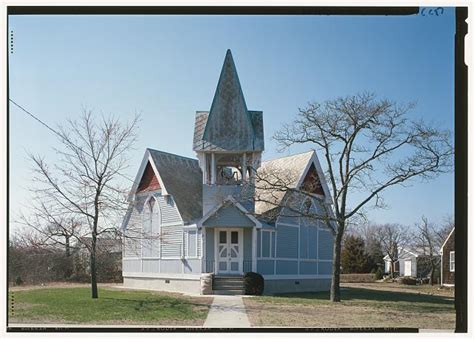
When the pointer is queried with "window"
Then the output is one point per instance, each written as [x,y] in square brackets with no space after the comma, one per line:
[222,237]
[266,244]
[147,243]
[451,261]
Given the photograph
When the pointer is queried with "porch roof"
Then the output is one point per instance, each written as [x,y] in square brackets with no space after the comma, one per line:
[229,214]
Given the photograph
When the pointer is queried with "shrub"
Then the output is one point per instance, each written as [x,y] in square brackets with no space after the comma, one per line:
[253,283]
[379,274]
[407,281]
[18,281]
[357,278]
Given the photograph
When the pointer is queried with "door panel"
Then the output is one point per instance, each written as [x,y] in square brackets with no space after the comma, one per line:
[229,251]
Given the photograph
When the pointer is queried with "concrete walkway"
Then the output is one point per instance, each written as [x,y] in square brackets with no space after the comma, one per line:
[227,311]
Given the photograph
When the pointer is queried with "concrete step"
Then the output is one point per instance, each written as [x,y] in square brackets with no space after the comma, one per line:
[227,286]
[229,292]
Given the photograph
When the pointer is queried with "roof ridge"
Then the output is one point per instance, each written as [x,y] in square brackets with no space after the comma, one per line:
[289,156]
[168,153]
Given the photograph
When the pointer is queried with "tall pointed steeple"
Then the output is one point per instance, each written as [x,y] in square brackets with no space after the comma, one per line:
[229,125]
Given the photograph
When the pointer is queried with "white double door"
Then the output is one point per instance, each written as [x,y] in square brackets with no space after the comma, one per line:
[229,250]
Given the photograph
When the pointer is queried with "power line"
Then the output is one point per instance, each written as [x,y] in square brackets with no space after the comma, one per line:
[59,135]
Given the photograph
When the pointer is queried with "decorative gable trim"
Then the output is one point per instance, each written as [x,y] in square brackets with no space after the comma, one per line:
[234,202]
[147,159]
[447,238]
[322,179]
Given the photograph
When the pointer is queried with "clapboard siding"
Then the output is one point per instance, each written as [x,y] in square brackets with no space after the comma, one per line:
[199,243]
[169,211]
[287,238]
[171,241]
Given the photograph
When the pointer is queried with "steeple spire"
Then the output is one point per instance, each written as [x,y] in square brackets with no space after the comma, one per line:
[229,126]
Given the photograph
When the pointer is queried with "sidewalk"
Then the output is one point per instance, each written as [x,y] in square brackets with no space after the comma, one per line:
[227,311]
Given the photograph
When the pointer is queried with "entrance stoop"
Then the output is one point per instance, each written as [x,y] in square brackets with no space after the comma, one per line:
[228,285]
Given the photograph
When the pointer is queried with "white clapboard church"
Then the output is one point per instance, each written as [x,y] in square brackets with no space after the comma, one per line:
[210,215]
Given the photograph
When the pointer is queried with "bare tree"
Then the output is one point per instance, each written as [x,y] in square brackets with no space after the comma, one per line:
[427,239]
[393,238]
[84,183]
[368,146]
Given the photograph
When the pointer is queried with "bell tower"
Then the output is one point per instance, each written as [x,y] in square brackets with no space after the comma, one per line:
[228,141]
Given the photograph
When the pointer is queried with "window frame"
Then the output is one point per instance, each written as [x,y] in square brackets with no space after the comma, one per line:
[186,239]
[452,264]
[270,245]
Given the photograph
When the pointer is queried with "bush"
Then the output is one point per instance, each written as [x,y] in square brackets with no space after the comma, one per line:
[18,281]
[357,278]
[253,283]
[379,274]
[407,281]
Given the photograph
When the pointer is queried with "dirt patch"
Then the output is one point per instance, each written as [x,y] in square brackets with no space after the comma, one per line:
[393,286]
[340,315]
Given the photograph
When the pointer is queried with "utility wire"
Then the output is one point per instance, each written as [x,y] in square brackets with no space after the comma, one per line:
[59,134]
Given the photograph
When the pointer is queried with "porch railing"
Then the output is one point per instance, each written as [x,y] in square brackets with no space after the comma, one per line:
[209,266]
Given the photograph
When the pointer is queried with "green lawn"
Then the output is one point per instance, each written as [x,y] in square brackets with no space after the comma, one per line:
[360,307]
[74,305]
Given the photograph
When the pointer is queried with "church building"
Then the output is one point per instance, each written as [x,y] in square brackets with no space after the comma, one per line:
[228,212]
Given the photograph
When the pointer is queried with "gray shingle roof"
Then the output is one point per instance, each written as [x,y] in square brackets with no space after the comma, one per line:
[229,125]
[275,176]
[182,178]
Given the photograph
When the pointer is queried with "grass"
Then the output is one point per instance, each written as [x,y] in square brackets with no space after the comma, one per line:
[360,307]
[75,305]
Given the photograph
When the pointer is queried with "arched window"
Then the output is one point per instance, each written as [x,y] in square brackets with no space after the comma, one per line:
[151,230]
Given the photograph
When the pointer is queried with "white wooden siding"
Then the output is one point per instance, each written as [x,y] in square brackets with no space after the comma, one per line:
[171,241]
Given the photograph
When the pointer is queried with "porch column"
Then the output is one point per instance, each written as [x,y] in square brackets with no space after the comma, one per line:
[244,167]
[213,169]
[254,249]
[204,168]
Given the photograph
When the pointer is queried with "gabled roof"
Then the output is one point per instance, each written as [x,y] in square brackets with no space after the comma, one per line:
[228,212]
[179,177]
[275,177]
[229,125]
[446,240]
[407,252]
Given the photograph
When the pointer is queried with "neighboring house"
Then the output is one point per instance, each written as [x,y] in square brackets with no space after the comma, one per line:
[410,263]
[447,260]
[217,215]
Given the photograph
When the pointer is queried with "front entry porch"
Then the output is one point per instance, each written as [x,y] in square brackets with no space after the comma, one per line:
[229,250]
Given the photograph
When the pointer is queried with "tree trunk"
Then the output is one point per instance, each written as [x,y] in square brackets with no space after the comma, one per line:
[392,268]
[432,273]
[95,293]
[335,294]
[69,262]
[68,247]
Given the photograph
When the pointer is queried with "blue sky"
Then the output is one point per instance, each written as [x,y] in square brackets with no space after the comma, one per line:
[167,67]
